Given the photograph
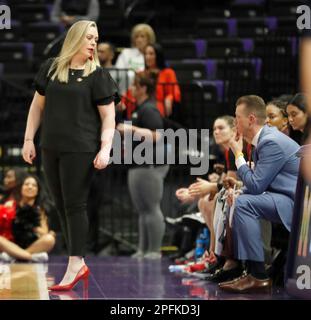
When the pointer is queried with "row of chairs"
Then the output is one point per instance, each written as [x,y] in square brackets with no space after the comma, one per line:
[213,69]
[218,48]
[178,49]
[202,28]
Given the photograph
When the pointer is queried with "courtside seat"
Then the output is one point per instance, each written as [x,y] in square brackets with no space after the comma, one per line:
[287,26]
[252,27]
[12,35]
[218,48]
[213,90]
[16,51]
[281,8]
[17,57]
[188,70]
[212,28]
[179,49]
[44,31]
[29,13]
[243,10]
[276,47]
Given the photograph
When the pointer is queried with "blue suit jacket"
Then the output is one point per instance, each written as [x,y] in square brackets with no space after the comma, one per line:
[276,171]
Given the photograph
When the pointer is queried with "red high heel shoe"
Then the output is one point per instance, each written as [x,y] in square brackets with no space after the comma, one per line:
[83,274]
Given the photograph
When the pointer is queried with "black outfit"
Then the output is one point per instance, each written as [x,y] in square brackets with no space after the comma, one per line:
[23,226]
[70,139]
[147,116]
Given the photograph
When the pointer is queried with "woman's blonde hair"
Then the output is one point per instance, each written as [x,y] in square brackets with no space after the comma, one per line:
[143,28]
[71,46]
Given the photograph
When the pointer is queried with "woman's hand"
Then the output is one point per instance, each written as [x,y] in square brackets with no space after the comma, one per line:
[229,182]
[101,160]
[29,151]
[202,188]
[125,127]
[183,196]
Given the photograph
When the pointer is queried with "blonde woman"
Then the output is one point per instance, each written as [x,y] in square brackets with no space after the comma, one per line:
[133,58]
[74,102]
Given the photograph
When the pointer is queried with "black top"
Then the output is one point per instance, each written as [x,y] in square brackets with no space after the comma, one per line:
[71,121]
[148,116]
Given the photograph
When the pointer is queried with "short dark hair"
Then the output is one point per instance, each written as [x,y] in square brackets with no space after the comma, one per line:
[254,104]
[148,80]
[281,104]
[112,48]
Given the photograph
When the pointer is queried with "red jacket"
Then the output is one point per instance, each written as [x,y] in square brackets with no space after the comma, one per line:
[7,215]
[167,88]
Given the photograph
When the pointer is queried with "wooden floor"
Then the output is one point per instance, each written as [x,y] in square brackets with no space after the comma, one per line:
[23,282]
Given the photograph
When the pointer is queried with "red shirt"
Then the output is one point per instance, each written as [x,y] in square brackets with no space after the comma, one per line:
[167,88]
[7,215]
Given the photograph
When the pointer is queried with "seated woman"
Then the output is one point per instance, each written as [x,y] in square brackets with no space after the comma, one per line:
[277,116]
[204,191]
[167,88]
[24,231]
[297,115]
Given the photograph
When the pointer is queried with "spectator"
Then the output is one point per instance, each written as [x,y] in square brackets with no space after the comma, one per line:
[24,231]
[297,114]
[277,116]
[133,58]
[167,89]
[106,54]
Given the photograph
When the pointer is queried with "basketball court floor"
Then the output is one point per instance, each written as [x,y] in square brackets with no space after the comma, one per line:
[114,278]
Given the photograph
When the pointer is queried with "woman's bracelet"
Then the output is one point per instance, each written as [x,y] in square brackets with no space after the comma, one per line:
[239,154]
[28,140]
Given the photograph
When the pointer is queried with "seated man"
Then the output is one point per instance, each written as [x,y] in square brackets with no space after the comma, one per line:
[268,192]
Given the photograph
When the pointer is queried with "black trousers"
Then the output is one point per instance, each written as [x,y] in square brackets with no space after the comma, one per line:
[68,176]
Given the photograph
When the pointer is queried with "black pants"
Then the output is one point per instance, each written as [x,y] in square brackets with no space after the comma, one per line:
[68,176]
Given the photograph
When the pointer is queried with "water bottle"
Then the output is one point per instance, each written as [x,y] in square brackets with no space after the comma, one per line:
[176,268]
[199,250]
[202,243]
[206,234]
